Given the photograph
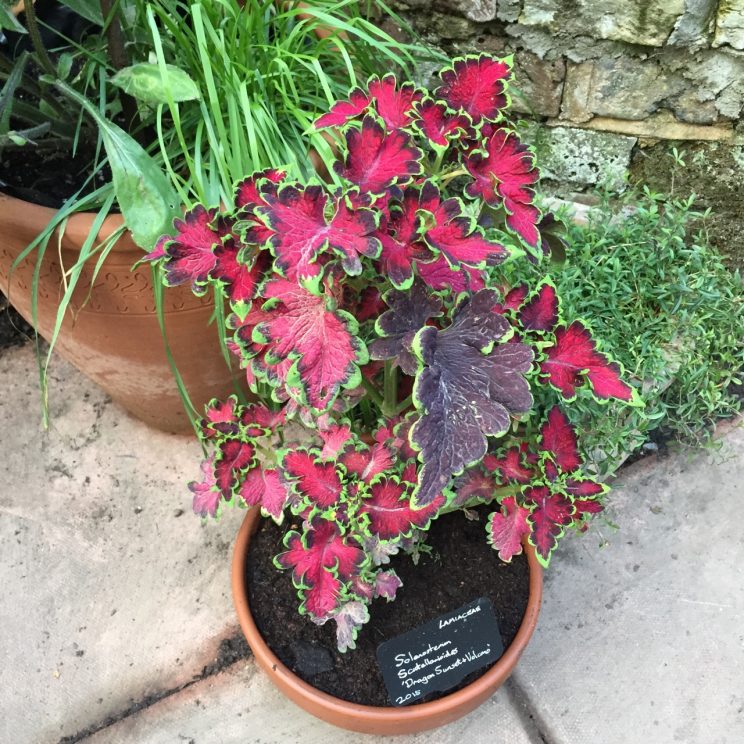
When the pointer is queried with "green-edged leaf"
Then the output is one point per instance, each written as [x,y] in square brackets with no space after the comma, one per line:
[148,83]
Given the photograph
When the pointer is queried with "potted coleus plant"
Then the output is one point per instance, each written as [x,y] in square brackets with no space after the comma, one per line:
[402,380]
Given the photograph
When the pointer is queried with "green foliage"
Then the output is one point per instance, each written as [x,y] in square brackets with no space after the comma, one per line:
[644,276]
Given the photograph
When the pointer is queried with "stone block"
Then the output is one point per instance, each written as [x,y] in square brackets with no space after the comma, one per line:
[645,22]
[579,157]
[695,25]
[730,24]
[475,10]
[538,84]
[620,87]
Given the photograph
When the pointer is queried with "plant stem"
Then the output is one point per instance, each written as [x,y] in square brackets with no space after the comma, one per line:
[373,392]
[390,386]
[33,32]
[454,174]
[403,405]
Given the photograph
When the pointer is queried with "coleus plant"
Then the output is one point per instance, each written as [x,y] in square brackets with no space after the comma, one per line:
[395,371]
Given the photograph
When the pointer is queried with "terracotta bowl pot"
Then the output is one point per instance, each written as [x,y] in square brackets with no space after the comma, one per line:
[114,338]
[365,718]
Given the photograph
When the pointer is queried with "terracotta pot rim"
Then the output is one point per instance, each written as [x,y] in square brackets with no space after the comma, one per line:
[406,717]
[78,225]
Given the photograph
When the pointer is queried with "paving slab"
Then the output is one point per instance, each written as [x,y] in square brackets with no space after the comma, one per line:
[112,590]
[643,640]
[241,706]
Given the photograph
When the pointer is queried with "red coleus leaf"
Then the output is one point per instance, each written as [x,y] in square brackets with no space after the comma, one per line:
[394,103]
[312,479]
[510,466]
[320,559]
[584,487]
[515,297]
[321,343]
[256,414]
[299,232]
[264,488]
[507,528]
[365,463]
[540,312]
[439,124]
[471,385]
[240,278]
[189,255]
[476,85]
[550,514]
[575,358]
[474,483]
[207,496]
[505,174]
[390,512]
[248,192]
[401,233]
[220,418]
[233,457]
[409,312]
[344,111]
[335,441]
[376,159]
[459,240]
[439,275]
[558,439]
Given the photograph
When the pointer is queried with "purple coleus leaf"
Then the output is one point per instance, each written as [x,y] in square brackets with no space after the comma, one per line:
[409,312]
[344,111]
[390,511]
[233,457]
[540,312]
[506,174]
[299,232]
[507,528]
[387,584]
[457,237]
[313,480]
[265,488]
[476,85]
[550,514]
[376,159]
[472,383]
[392,102]
[574,359]
[351,616]
[207,495]
[439,124]
[320,560]
[189,254]
[321,343]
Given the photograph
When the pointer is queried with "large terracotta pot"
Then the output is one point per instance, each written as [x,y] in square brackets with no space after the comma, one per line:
[365,718]
[114,338]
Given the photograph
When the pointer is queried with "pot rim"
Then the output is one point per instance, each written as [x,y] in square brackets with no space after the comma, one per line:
[405,716]
[77,229]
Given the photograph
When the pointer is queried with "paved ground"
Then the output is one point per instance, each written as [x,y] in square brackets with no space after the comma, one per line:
[117,626]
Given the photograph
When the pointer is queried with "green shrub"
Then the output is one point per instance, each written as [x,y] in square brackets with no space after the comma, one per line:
[644,276]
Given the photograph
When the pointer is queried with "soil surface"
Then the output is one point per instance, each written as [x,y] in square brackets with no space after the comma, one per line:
[461,568]
[47,176]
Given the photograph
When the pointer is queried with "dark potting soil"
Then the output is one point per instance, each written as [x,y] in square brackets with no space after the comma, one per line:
[47,176]
[461,568]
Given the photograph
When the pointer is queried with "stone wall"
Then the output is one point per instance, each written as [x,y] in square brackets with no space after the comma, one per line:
[612,84]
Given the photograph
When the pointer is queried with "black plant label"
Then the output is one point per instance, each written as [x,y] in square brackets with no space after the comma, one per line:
[438,655]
